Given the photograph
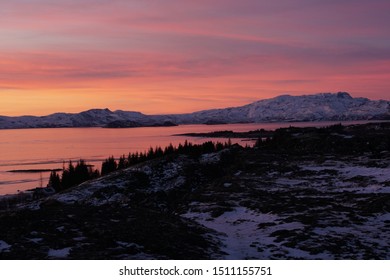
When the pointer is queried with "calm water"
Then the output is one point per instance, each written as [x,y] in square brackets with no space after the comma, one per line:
[23,149]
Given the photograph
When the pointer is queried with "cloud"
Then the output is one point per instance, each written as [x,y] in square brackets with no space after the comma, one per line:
[166,49]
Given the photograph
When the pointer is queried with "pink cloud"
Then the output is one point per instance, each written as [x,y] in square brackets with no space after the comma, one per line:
[222,52]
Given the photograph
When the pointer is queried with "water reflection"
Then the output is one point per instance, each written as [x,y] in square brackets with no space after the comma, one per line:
[51,148]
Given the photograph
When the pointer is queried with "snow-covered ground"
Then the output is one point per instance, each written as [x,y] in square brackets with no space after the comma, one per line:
[59,253]
[237,229]
[323,231]
[4,246]
[254,206]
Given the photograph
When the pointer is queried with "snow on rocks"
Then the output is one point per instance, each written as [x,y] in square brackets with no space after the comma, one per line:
[316,107]
[258,205]
[238,230]
[243,232]
[210,158]
[4,246]
[59,253]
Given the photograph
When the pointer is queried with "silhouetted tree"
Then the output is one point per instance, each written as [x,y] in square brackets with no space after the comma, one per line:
[54,181]
[123,162]
[109,165]
[67,178]
[169,149]
[82,172]
[75,174]
[150,153]
[158,152]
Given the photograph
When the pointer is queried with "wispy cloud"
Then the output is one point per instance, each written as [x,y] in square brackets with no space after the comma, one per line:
[174,52]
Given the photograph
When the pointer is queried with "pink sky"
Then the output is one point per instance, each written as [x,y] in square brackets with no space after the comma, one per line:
[175,56]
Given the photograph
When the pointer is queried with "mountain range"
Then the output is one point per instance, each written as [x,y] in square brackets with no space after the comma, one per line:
[284,108]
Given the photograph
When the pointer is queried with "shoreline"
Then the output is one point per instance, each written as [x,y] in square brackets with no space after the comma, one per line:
[34,170]
[311,193]
[358,121]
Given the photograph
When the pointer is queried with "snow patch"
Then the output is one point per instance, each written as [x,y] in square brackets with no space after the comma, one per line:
[380,174]
[238,228]
[36,240]
[60,253]
[61,228]
[289,182]
[4,246]
[210,158]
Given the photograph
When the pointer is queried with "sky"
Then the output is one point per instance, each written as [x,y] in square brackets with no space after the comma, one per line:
[177,56]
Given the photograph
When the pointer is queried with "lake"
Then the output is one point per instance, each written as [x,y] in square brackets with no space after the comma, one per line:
[50,148]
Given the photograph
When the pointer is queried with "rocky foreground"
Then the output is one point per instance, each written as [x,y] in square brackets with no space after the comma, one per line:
[306,193]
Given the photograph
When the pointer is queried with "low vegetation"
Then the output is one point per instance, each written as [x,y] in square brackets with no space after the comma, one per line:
[76,174]
[302,193]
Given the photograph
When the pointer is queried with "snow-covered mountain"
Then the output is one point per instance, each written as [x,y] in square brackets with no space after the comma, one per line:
[90,118]
[317,107]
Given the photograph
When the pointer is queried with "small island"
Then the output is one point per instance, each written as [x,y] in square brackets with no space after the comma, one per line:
[254,134]
[132,124]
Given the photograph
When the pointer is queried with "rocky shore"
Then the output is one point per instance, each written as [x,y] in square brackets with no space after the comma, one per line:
[302,193]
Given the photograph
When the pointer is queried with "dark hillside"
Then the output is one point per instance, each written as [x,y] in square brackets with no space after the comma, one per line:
[303,193]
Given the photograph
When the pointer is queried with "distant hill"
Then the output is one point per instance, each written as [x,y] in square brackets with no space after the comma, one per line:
[284,108]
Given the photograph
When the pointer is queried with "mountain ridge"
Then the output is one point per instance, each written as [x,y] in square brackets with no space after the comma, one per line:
[284,108]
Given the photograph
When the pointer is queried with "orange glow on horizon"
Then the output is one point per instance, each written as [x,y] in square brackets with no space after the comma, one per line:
[181,56]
